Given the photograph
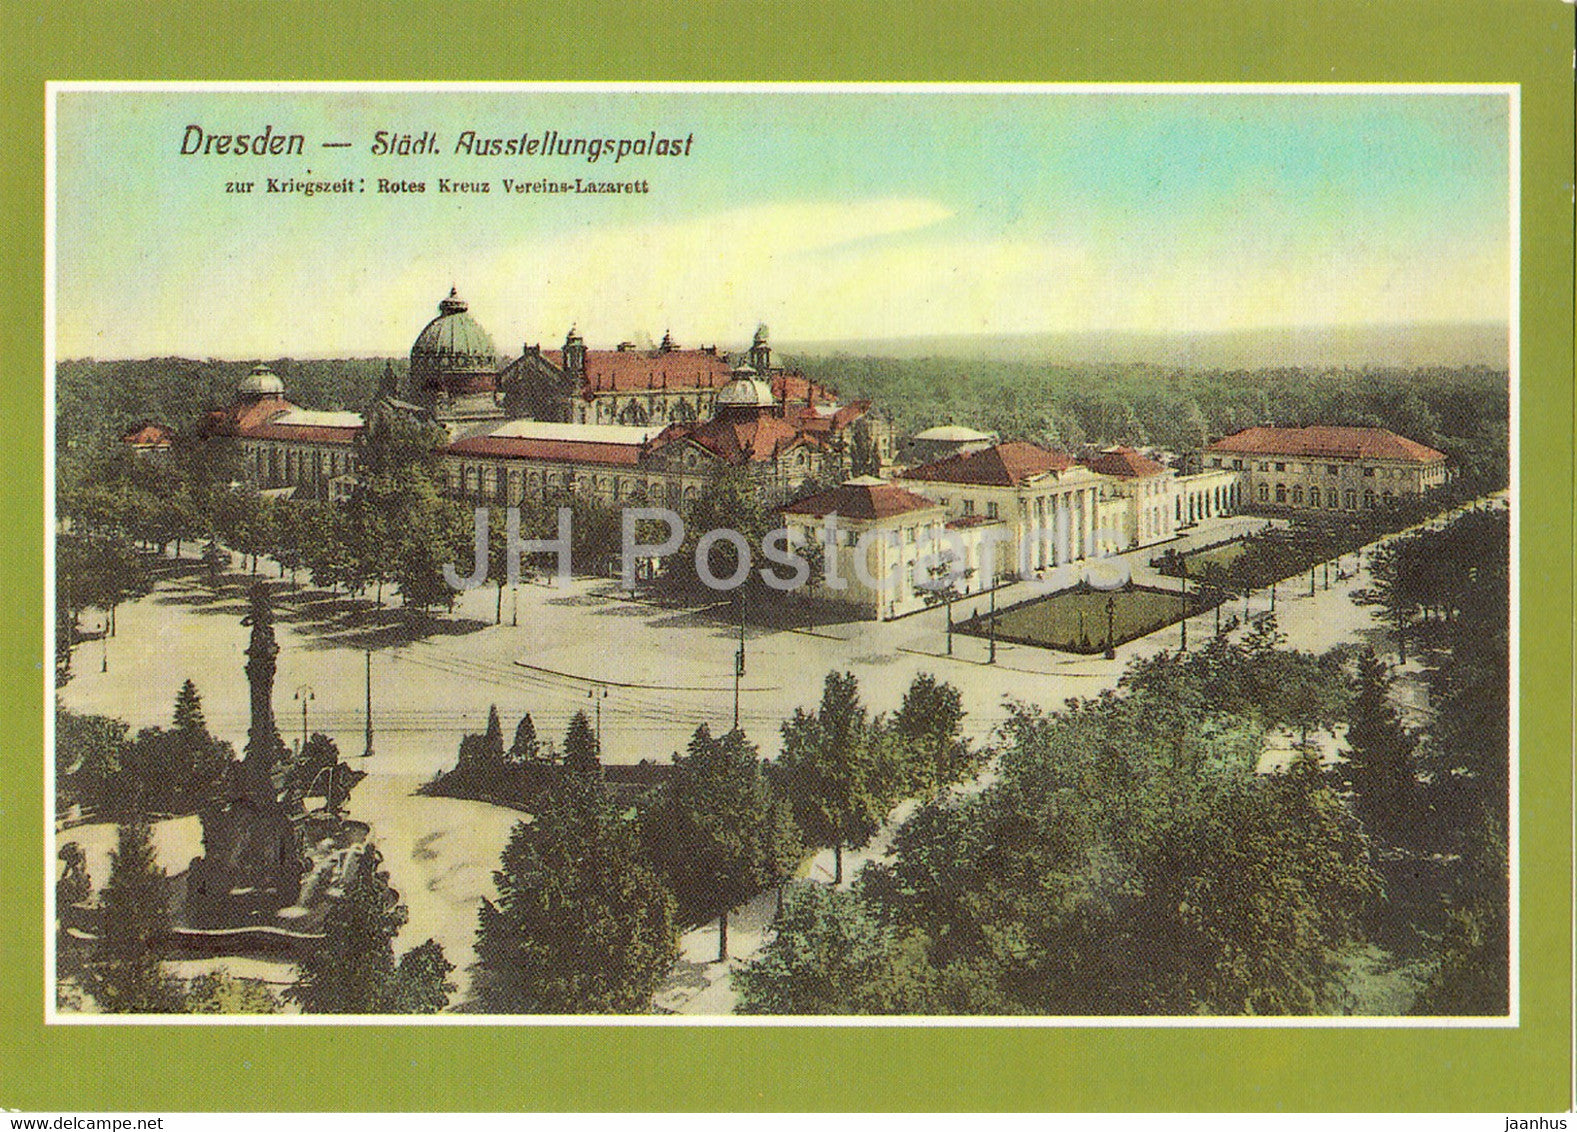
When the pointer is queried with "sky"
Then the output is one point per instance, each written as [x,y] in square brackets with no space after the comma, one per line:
[827,215]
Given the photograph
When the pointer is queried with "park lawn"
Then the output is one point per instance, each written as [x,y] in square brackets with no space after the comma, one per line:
[1222,556]
[1054,621]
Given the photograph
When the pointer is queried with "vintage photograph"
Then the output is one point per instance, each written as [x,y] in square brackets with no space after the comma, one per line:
[782,552]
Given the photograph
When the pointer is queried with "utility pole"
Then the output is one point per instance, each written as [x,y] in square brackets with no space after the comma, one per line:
[367,754]
[597,693]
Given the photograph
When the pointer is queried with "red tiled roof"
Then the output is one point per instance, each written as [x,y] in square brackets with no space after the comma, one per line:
[740,439]
[635,371]
[317,434]
[811,421]
[560,451]
[149,434]
[861,501]
[243,417]
[1334,441]
[1003,465]
[1123,463]
[632,371]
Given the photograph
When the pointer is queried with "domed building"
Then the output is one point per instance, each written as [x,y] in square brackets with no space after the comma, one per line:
[454,367]
[747,395]
[262,382]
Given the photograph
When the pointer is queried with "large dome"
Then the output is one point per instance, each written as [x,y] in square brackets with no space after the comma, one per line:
[453,342]
[745,392]
[261,382]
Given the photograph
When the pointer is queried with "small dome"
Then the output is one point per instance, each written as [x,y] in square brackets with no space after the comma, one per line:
[745,392]
[261,382]
[454,340]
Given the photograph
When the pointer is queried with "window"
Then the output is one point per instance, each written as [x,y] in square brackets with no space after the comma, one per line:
[1330,499]
[1352,500]
[1264,493]
[908,535]
[1280,466]
[1216,462]
[969,506]
[1368,472]
[1297,494]
[1263,466]
[1238,464]
[1368,499]
[1331,469]
[991,510]
[1281,493]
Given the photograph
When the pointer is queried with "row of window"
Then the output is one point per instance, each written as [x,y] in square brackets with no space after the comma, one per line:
[1333,500]
[1335,469]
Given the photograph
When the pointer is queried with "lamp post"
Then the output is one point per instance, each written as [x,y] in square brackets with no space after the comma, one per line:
[367,754]
[739,658]
[305,694]
[1183,594]
[1111,622]
[992,658]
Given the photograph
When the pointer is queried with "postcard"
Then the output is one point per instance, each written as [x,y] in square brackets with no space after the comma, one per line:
[629,564]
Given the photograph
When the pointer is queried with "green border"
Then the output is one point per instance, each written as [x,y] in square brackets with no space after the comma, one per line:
[185,1068]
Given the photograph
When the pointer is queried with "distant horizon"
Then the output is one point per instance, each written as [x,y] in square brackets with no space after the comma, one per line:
[1020,345]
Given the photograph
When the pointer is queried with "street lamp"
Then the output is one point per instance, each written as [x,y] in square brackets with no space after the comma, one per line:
[305,694]
[1111,621]
[992,659]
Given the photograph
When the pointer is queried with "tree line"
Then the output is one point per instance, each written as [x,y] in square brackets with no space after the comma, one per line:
[595,887]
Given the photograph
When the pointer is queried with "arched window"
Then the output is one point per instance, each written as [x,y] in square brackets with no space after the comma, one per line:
[1281,493]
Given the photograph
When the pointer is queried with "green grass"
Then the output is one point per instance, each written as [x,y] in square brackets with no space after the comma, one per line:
[1222,556]
[1054,621]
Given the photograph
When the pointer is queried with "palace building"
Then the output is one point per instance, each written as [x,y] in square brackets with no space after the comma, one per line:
[621,424]
[1328,467]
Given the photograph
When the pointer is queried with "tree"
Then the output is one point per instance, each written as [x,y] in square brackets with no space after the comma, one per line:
[219,992]
[864,459]
[526,748]
[827,770]
[582,753]
[353,970]
[124,974]
[582,925]
[1380,757]
[717,832]
[74,885]
[199,763]
[318,767]
[90,752]
[930,727]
